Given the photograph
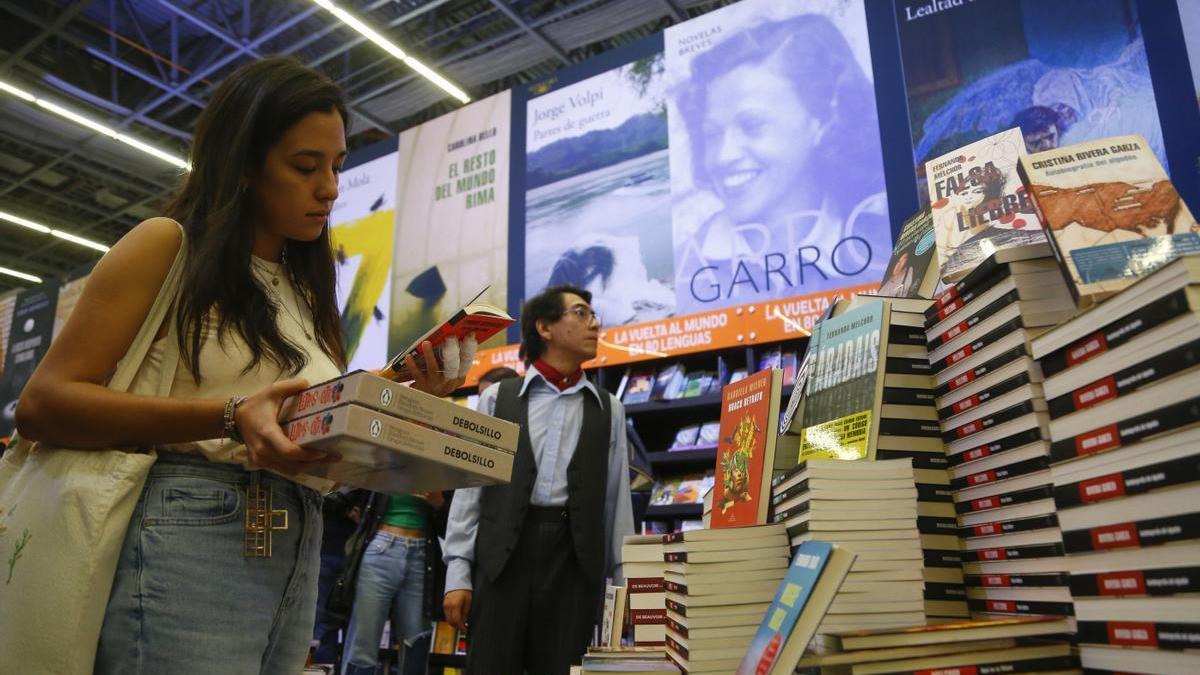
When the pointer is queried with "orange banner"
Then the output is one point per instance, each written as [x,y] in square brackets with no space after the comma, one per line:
[756,323]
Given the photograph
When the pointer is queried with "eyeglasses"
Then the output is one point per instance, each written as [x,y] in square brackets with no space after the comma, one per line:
[584,314]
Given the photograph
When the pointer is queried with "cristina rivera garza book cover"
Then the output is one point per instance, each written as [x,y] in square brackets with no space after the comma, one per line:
[746,450]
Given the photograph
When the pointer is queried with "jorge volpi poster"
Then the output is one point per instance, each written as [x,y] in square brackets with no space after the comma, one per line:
[452,217]
[777,184]
[1064,72]
[597,206]
[363,222]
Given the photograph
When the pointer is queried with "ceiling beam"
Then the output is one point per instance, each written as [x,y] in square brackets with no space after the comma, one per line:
[676,13]
[534,32]
[232,41]
[358,39]
[47,30]
[473,49]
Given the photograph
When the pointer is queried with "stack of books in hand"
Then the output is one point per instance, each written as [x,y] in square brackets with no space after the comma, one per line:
[643,565]
[392,438]
[1124,399]
[994,423]
[719,584]
[1009,645]
[870,509]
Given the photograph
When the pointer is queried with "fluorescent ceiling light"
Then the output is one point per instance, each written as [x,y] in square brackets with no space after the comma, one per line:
[20,275]
[38,227]
[95,126]
[391,48]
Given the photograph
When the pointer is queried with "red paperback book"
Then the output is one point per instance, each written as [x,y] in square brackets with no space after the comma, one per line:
[746,450]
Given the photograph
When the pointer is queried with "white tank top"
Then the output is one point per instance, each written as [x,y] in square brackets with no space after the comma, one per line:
[222,361]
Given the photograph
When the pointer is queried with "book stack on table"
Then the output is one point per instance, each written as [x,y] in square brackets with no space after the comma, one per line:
[1123,388]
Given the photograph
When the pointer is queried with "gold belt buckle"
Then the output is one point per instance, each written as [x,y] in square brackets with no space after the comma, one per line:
[261,521]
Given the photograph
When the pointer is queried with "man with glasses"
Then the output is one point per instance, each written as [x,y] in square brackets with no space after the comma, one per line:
[527,561]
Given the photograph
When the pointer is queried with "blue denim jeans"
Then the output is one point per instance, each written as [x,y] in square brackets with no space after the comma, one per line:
[185,600]
[391,583]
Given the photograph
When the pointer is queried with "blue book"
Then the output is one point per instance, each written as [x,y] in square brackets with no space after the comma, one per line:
[803,598]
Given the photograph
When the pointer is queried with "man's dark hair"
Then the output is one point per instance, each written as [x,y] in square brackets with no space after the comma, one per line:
[497,374]
[545,306]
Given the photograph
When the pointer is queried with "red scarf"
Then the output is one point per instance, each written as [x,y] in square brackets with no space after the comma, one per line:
[562,382]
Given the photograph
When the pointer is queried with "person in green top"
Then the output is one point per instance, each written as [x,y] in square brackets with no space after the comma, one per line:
[391,584]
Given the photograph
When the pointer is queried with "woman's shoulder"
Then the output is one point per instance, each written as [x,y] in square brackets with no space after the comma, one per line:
[159,233]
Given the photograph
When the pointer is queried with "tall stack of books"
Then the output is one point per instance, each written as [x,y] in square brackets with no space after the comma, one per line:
[909,429]
[995,429]
[643,565]
[719,584]
[869,509]
[1009,645]
[1124,398]
[392,438]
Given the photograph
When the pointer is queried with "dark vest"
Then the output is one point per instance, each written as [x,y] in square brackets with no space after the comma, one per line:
[502,507]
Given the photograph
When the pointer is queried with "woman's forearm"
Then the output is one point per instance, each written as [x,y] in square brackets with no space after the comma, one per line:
[86,415]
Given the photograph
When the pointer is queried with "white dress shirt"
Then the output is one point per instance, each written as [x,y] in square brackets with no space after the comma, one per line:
[555,420]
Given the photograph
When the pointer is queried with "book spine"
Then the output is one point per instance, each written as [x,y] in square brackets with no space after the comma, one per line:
[1133,534]
[974,427]
[896,364]
[970,322]
[645,585]
[999,501]
[1140,634]
[975,400]
[1116,333]
[920,459]
[936,525]
[1021,607]
[647,617]
[928,492]
[675,587]
[1013,553]
[908,396]
[1017,440]
[984,341]
[963,379]
[1059,257]
[1163,581]
[951,592]
[1022,468]
[1009,526]
[1126,431]
[900,427]
[1127,380]
[674,646]
[942,559]
[1131,482]
[679,628]
[1017,580]
[985,275]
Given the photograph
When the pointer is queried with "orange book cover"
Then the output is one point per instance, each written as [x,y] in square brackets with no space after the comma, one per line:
[746,450]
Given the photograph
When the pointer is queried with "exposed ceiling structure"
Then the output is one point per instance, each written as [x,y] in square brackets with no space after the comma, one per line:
[146,68]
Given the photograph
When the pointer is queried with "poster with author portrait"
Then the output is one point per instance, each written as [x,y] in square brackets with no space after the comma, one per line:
[777,183]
